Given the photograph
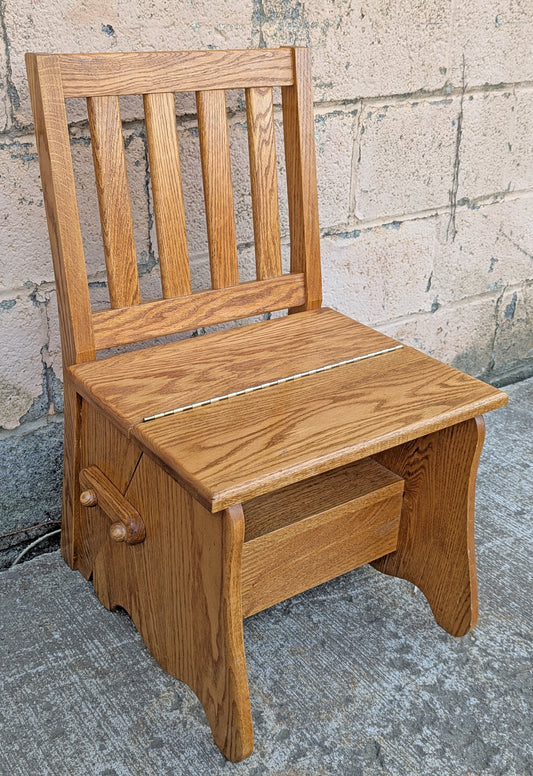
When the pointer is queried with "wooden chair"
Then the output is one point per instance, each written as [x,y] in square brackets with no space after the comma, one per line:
[192,519]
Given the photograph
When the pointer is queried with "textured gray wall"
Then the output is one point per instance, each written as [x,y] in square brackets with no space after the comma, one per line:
[423,124]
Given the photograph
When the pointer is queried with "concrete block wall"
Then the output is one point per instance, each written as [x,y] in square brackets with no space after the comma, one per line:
[424,115]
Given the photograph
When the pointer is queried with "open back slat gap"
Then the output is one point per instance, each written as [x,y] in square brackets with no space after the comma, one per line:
[202,308]
[114,200]
[86,75]
[218,189]
[264,181]
[163,152]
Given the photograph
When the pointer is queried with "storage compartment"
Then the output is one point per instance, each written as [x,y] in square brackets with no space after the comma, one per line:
[312,531]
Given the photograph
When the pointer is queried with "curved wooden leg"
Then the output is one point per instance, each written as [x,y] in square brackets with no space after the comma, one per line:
[182,588]
[435,547]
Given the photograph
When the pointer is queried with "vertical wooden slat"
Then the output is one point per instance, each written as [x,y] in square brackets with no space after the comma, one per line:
[59,189]
[114,200]
[264,181]
[298,126]
[163,151]
[218,190]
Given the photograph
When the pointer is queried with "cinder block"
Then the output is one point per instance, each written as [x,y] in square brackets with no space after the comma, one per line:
[247,268]
[461,335]
[24,246]
[522,172]
[52,352]
[191,177]
[493,247]
[495,40]
[363,49]
[88,200]
[334,133]
[406,154]
[193,194]
[240,174]
[5,97]
[30,477]
[487,158]
[24,242]
[22,338]
[513,343]
[382,272]
[126,25]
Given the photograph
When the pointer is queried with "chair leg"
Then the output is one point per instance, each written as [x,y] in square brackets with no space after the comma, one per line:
[182,588]
[70,513]
[435,547]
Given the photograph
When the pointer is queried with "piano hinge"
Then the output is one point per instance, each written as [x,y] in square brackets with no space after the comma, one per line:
[259,387]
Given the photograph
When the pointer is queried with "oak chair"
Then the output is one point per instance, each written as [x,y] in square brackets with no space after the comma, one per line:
[193,517]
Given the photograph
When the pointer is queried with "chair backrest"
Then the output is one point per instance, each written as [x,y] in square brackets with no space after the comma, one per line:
[102,79]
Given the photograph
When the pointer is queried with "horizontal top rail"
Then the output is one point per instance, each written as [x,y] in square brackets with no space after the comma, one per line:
[89,75]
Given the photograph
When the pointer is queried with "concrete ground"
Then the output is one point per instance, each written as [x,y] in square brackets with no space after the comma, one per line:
[351,678]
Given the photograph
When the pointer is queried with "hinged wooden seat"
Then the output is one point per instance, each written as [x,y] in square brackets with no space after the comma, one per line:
[210,478]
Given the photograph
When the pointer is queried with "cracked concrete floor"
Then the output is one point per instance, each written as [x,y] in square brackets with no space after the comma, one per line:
[351,678]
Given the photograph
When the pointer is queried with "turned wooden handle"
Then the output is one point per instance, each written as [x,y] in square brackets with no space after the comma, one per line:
[127,524]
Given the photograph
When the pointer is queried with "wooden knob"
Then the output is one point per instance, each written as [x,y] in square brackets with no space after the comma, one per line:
[118,532]
[88,498]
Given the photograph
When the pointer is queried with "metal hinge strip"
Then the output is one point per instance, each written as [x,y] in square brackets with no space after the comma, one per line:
[259,387]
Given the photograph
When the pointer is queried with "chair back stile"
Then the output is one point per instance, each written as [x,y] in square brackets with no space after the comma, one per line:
[102,79]
[59,189]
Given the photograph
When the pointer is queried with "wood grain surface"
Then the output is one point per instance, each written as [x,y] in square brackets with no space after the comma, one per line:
[317,530]
[436,538]
[169,210]
[134,385]
[85,75]
[321,493]
[71,540]
[264,182]
[114,200]
[237,449]
[218,188]
[181,587]
[202,308]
